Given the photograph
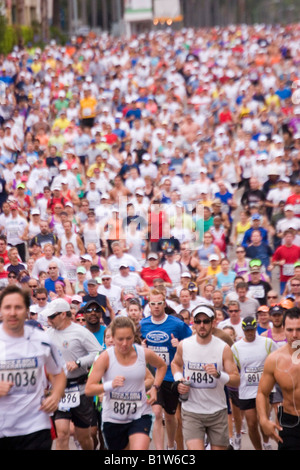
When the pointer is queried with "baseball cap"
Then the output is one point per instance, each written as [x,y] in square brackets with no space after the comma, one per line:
[169,251]
[276,310]
[94,267]
[153,256]
[255,268]
[286,303]
[249,323]
[193,287]
[263,308]
[35,211]
[289,207]
[213,258]
[128,296]
[86,257]
[81,270]
[56,306]
[256,217]
[255,262]
[92,282]
[186,274]
[206,309]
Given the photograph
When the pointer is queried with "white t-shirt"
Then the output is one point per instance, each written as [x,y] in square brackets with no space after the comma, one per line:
[250,359]
[23,360]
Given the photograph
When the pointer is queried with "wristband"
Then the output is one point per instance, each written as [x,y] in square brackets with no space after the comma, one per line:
[223,377]
[178,376]
[108,386]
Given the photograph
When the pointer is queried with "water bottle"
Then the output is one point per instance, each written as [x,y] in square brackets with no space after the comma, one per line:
[185,396]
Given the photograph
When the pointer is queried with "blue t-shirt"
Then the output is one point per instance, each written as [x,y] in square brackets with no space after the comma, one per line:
[50,285]
[99,335]
[158,338]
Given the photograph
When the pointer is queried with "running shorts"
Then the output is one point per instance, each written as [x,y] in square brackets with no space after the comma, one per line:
[116,436]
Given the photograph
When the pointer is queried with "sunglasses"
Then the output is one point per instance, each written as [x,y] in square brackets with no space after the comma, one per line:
[156,303]
[295,285]
[80,320]
[92,309]
[41,298]
[205,322]
[12,277]
[233,311]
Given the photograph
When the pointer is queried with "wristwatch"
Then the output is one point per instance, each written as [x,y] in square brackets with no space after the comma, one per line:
[78,362]
[156,386]
[218,375]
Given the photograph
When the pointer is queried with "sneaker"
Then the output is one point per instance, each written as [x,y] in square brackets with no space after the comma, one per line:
[267,446]
[237,442]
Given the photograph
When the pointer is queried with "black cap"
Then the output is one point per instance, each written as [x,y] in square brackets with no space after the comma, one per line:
[276,310]
[249,323]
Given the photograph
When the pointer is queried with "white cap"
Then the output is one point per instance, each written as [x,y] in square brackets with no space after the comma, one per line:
[203,309]
[56,306]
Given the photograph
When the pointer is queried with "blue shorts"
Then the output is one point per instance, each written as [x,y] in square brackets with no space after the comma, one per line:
[116,436]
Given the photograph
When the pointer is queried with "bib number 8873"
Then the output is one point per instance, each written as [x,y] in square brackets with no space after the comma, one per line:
[122,408]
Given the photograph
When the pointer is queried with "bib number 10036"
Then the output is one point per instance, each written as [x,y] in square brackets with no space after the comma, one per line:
[23,380]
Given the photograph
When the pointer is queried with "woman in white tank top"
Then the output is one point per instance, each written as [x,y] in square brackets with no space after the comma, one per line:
[126,413]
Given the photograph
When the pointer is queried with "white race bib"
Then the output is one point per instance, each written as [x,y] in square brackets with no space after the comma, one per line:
[198,376]
[70,400]
[253,376]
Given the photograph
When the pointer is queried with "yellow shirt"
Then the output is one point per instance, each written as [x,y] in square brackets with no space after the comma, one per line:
[90,170]
[88,107]
[61,123]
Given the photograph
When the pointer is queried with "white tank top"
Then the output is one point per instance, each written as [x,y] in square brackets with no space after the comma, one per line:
[92,236]
[127,403]
[73,240]
[250,359]
[207,393]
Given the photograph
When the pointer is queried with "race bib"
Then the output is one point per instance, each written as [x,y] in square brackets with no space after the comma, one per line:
[253,376]
[22,372]
[258,292]
[125,405]
[288,270]
[162,352]
[198,376]
[70,400]
[86,112]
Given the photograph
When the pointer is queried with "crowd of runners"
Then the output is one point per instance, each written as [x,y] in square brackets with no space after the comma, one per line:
[149,241]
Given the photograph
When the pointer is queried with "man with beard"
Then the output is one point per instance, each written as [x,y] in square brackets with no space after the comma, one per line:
[208,363]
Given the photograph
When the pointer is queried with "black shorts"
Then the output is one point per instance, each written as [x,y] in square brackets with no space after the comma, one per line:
[40,440]
[234,396]
[167,398]
[249,404]
[82,416]
[116,436]
[290,433]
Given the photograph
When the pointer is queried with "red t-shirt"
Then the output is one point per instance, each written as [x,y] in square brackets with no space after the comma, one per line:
[148,275]
[294,199]
[290,255]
